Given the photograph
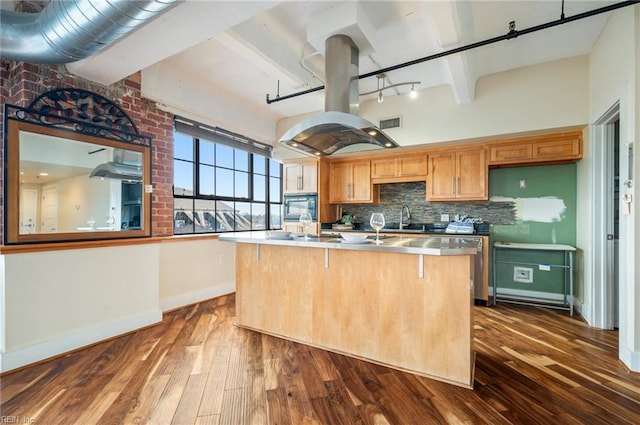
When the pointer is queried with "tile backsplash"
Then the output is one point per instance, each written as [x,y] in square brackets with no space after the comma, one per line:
[394,196]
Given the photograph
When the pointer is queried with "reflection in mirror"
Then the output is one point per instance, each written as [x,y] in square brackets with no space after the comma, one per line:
[75,169]
[73,186]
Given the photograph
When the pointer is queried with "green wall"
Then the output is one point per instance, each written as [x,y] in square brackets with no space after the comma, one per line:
[544,185]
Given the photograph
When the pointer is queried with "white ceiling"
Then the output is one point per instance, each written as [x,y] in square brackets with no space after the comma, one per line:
[237,52]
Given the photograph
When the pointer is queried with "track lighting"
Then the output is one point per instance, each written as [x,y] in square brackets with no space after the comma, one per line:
[413,93]
[381,87]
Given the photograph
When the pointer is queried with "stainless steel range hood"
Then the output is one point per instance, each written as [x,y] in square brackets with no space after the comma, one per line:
[340,126]
[113,170]
[126,165]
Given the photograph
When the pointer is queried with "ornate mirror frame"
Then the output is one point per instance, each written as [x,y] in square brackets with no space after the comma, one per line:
[80,117]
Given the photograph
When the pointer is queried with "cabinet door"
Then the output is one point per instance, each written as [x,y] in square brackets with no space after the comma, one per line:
[471,170]
[340,182]
[557,150]
[295,227]
[412,166]
[442,176]
[300,177]
[361,187]
[309,177]
[382,168]
[510,153]
[291,180]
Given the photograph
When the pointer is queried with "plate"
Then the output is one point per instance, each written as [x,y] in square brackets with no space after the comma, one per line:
[279,235]
[356,242]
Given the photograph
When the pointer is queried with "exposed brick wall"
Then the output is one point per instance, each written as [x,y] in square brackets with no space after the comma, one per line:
[22,82]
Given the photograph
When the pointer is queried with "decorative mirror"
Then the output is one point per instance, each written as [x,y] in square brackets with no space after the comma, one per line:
[76,169]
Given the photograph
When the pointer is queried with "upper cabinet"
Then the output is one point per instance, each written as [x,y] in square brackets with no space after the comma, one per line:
[551,148]
[351,183]
[458,175]
[300,176]
[399,169]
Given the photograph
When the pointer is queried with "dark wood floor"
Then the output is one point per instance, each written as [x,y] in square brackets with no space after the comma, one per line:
[533,366]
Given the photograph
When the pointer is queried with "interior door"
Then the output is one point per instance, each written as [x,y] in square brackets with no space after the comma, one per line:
[28,211]
[50,209]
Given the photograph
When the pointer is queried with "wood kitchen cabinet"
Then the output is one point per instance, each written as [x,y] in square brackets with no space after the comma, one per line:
[458,175]
[350,182]
[295,227]
[300,176]
[399,169]
[541,149]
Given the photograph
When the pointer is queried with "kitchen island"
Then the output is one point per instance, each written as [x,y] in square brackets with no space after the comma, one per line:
[406,303]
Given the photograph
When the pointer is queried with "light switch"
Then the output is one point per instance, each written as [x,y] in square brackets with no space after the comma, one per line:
[522,184]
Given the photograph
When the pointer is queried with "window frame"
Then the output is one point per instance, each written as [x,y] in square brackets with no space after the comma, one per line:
[222,203]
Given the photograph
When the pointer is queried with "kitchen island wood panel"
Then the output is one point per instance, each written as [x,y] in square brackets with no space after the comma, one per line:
[372,305]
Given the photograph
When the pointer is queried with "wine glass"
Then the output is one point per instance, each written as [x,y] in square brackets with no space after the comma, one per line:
[377,223]
[305,221]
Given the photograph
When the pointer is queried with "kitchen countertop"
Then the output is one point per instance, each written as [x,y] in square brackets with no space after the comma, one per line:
[440,245]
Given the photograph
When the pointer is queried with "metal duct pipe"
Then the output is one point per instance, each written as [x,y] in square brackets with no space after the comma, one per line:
[68,31]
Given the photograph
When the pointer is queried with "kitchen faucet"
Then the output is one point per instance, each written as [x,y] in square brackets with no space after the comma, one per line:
[406,207]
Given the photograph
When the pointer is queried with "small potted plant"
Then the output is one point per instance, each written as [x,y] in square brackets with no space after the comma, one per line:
[348,220]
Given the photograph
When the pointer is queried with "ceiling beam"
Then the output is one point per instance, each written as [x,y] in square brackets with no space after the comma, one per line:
[157,40]
[447,30]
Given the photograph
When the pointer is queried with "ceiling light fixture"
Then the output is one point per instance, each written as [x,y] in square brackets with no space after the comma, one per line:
[380,96]
[412,94]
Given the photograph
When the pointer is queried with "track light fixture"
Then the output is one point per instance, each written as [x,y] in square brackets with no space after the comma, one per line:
[413,93]
[381,87]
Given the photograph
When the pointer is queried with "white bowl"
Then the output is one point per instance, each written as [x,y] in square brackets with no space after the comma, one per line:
[279,234]
[353,237]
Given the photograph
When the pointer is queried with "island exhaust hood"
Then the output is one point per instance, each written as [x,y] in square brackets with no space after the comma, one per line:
[339,126]
[126,165]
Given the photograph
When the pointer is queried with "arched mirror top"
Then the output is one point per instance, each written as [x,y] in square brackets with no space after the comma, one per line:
[77,168]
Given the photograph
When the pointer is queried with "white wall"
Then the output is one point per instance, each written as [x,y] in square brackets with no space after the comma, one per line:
[77,297]
[193,270]
[74,298]
[614,69]
[635,317]
[546,96]
[79,198]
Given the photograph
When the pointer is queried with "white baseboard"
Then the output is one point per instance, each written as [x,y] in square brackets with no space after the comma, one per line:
[583,309]
[546,296]
[44,350]
[181,300]
[630,358]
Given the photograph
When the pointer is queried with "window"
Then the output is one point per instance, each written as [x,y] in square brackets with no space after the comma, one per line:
[223,182]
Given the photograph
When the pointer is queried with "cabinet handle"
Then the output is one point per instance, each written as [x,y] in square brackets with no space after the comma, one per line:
[516,156]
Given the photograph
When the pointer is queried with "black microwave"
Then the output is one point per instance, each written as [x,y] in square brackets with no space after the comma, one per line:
[294,205]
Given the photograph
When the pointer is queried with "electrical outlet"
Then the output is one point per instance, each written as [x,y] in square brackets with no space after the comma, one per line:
[523,274]
[444,217]
[221,260]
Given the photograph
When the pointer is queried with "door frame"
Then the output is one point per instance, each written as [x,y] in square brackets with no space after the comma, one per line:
[603,249]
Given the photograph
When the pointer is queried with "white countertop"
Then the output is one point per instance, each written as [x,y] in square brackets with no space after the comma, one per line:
[440,245]
[534,246]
